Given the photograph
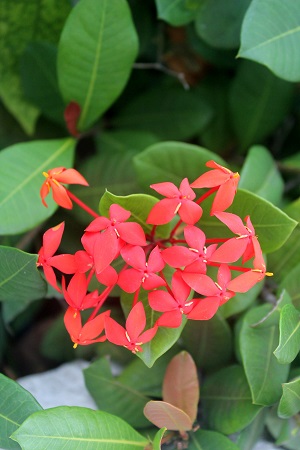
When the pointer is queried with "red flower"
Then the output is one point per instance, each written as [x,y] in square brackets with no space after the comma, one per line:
[143,273]
[107,236]
[88,333]
[224,179]
[245,281]
[53,179]
[76,293]
[239,246]
[178,201]
[65,263]
[133,336]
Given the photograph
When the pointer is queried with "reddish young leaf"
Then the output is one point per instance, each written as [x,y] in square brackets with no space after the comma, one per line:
[163,414]
[71,116]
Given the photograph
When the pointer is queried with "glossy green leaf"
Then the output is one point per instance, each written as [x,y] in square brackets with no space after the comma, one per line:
[254,113]
[164,414]
[171,113]
[219,23]
[260,175]
[264,374]
[69,427]
[289,404]
[210,440]
[21,167]
[289,338]
[172,161]
[252,433]
[156,444]
[285,432]
[272,226]
[291,283]
[96,51]
[227,402]
[271,28]
[177,12]
[20,281]
[240,302]
[37,20]
[286,258]
[139,205]
[113,396]
[208,341]
[181,384]
[16,404]
[273,316]
[39,80]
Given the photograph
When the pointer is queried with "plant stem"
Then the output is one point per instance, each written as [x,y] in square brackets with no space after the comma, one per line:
[82,205]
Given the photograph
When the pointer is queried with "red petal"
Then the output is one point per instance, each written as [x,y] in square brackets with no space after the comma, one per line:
[162,301]
[166,189]
[52,239]
[242,283]
[148,335]
[224,197]
[60,196]
[190,212]
[210,179]
[94,327]
[106,249]
[155,260]
[108,276]
[153,281]
[170,319]
[72,320]
[83,261]
[99,224]
[194,237]
[178,256]
[115,333]
[136,322]
[233,222]
[71,176]
[132,233]
[44,191]
[202,284]
[134,256]
[116,212]
[65,263]
[230,251]
[130,280]
[50,277]
[77,289]
[186,190]
[205,309]
[163,211]
[224,275]
[180,289]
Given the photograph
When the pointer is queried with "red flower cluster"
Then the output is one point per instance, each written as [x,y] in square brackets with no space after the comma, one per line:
[144,259]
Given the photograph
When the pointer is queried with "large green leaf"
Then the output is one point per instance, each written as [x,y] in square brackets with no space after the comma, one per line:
[96,51]
[285,432]
[172,161]
[272,226]
[289,340]
[75,427]
[20,282]
[210,440]
[21,167]
[115,397]
[264,374]
[248,437]
[240,302]
[289,404]
[272,28]
[227,402]
[254,113]
[20,24]
[177,12]
[260,175]
[16,404]
[171,113]
[208,341]
[219,23]
[291,282]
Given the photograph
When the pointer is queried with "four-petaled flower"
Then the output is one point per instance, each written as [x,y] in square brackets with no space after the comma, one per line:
[76,293]
[222,178]
[131,337]
[88,333]
[54,178]
[178,201]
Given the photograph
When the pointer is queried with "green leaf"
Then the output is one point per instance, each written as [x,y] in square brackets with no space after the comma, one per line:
[289,340]
[271,28]
[273,316]
[210,440]
[16,404]
[208,341]
[240,302]
[37,20]
[264,374]
[260,175]
[250,435]
[71,427]
[113,396]
[219,23]
[171,113]
[286,432]
[96,51]
[272,226]
[226,400]
[291,283]
[172,161]
[39,80]
[21,167]
[139,205]
[177,12]
[289,404]
[20,281]
[156,444]
[254,113]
